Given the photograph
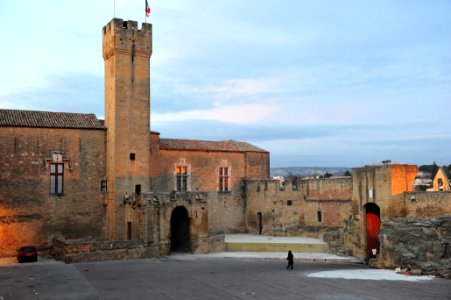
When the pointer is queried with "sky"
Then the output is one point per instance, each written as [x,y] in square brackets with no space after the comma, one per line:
[317,83]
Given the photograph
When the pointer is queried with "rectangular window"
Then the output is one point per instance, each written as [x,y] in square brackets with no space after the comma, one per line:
[56,179]
[104,186]
[138,189]
[181,174]
[224,179]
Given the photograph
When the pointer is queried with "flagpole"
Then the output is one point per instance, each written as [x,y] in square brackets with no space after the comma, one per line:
[114,9]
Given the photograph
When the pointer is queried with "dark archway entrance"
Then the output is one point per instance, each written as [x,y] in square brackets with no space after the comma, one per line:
[373,225]
[180,230]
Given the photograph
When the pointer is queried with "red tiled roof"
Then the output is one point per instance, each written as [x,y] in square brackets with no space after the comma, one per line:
[230,146]
[46,119]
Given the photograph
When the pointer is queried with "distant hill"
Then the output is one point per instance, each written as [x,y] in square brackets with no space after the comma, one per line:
[308,171]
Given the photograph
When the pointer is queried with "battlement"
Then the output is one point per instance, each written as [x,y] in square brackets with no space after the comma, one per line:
[125,36]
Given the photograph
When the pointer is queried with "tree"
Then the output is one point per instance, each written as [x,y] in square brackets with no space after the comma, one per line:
[347,173]
[327,175]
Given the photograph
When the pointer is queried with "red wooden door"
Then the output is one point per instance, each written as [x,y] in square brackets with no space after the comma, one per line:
[373,225]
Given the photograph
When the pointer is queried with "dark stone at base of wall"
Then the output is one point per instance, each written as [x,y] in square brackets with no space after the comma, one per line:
[416,243]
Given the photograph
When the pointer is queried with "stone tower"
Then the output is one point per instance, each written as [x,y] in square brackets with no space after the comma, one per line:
[126,52]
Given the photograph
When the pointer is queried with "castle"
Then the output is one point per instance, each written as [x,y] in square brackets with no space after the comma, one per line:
[84,189]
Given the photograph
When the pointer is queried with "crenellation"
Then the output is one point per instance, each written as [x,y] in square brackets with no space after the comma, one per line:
[124,37]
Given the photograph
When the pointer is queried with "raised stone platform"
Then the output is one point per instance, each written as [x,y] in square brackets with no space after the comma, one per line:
[260,243]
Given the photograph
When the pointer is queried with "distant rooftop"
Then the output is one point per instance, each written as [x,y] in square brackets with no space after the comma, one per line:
[230,145]
[46,119]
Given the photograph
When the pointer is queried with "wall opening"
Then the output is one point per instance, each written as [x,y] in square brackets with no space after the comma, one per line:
[259,223]
[373,225]
[180,230]
[319,216]
[129,231]
[138,189]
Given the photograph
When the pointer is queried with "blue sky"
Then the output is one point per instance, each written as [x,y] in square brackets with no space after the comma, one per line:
[316,83]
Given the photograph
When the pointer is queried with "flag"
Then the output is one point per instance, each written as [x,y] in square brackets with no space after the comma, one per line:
[147,9]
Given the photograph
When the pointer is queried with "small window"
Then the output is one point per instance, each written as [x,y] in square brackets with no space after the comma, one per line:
[104,186]
[132,156]
[289,202]
[56,179]
[138,189]
[319,216]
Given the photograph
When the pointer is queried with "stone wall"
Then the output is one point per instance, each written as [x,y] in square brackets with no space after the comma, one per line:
[150,218]
[72,251]
[257,165]
[316,208]
[417,243]
[203,168]
[29,214]
[381,185]
[427,204]
[226,209]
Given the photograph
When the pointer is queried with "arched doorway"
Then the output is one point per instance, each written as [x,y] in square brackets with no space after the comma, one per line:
[373,225]
[180,230]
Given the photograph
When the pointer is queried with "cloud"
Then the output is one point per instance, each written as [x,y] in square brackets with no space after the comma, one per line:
[76,92]
[240,114]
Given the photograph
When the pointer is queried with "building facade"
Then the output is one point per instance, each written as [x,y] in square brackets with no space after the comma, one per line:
[74,177]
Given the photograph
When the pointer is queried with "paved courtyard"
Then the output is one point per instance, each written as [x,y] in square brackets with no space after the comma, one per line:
[207,277]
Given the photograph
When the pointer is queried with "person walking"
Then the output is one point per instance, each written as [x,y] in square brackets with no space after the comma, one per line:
[290,258]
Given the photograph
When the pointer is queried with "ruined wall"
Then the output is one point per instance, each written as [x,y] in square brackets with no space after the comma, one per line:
[417,243]
[28,213]
[315,207]
[422,204]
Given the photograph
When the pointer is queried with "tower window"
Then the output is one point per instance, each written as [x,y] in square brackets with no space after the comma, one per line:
[132,156]
[289,202]
[138,189]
